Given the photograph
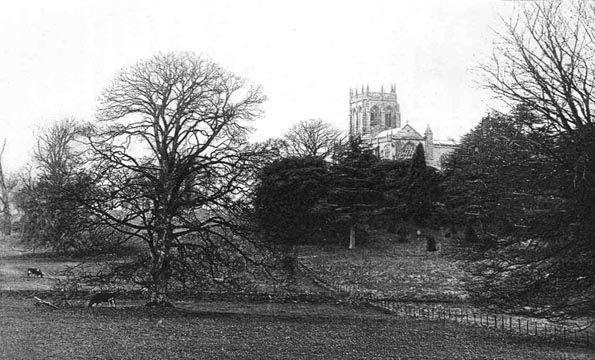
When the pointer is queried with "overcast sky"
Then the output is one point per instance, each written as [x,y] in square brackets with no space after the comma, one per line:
[57,56]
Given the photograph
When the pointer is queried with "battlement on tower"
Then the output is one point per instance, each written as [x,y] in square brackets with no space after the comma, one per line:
[373,111]
[379,96]
[356,94]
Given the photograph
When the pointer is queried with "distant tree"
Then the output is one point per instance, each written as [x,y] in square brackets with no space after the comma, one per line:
[423,188]
[489,172]
[354,196]
[393,183]
[51,214]
[285,200]
[172,156]
[418,162]
[313,138]
[7,186]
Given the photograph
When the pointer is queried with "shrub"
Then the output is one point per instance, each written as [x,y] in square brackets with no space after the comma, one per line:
[392,229]
[402,234]
[470,235]
[430,243]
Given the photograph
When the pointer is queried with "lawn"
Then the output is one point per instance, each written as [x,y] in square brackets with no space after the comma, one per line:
[224,330]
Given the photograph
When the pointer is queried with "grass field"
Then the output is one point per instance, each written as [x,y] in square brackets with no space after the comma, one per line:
[232,329]
[222,330]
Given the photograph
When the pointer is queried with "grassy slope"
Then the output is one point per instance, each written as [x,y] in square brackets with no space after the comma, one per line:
[385,266]
[222,330]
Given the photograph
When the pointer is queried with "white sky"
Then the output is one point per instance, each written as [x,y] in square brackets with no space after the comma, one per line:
[57,56]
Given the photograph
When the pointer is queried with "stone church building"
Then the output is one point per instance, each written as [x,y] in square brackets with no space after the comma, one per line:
[376,118]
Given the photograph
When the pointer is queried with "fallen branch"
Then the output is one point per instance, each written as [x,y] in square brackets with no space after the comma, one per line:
[46,303]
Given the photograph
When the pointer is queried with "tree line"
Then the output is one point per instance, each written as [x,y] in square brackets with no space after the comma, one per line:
[313,200]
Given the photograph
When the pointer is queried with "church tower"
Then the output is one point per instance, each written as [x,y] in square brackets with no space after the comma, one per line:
[373,112]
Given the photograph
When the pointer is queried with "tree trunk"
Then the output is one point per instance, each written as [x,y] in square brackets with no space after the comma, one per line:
[352,237]
[160,267]
[159,279]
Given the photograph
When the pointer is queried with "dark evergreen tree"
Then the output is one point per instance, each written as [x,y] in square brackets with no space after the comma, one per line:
[286,198]
[530,199]
[423,189]
[354,196]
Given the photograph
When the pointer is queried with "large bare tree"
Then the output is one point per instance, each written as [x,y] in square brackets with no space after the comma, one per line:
[313,137]
[172,155]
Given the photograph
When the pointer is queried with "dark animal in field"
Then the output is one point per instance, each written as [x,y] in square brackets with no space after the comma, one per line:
[108,297]
[34,271]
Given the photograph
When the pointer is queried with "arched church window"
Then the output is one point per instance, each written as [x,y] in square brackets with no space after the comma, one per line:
[407,151]
[388,117]
[374,116]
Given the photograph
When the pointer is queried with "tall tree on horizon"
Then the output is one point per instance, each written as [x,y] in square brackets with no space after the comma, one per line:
[313,137]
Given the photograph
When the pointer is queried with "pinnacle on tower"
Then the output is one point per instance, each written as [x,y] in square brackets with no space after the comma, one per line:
[428,133]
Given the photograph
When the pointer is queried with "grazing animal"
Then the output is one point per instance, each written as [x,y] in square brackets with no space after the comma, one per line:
[34,271]
[108,297]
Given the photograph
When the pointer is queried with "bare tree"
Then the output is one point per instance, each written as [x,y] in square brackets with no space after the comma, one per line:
[545,64]
[55,152]
[545,60]
[51,213]
[313,138]
[173,161]
[7,185]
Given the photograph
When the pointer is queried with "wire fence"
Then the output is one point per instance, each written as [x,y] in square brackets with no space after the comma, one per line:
[459,314]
